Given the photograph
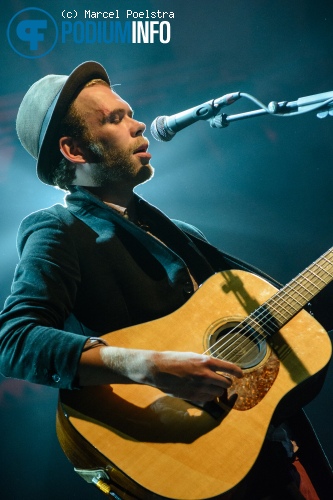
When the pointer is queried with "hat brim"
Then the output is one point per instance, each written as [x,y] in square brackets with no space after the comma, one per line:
[49,154]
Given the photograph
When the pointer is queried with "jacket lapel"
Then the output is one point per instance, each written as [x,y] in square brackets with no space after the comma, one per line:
[105,222]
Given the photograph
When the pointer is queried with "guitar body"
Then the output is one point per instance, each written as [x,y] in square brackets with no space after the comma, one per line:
[156,446]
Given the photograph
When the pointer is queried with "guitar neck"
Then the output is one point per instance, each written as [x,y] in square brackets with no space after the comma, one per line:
[290,299]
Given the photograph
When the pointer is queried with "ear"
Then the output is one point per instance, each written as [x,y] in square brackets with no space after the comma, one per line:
[72,150]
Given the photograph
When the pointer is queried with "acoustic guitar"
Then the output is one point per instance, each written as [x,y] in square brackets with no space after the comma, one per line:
[135,442]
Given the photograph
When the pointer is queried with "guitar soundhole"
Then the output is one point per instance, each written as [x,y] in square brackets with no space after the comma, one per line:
[239,344]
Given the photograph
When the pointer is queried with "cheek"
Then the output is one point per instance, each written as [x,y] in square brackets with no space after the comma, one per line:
[116,141]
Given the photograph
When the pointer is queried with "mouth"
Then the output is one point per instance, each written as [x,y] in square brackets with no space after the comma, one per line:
[142,151]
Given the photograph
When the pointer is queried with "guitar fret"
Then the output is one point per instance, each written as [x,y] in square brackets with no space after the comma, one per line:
[263,310]
[294,298]
[305,298]
[277,312]
[319,278]
[316,274]
[282,306]
[299,295]
[325,270]
[326,260]
[267,316]
[308,295]
[322,265]
[279,318]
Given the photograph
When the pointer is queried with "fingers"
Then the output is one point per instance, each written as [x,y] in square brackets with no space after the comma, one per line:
[220,366]
[191,376]
[218,376]
[212,382]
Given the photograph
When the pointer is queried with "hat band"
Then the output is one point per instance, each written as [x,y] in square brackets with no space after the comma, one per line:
[46,120]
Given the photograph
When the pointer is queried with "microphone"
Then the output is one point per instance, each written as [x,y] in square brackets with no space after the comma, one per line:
[164,128]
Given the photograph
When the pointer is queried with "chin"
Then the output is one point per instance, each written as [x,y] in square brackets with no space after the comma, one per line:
[145,173]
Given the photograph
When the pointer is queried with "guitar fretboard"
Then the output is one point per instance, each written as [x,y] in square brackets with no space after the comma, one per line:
[288,301]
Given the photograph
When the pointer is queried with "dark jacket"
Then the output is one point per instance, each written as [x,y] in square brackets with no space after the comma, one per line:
[85,270]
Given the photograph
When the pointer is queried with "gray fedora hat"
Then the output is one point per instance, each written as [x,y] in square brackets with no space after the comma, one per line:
[42,109]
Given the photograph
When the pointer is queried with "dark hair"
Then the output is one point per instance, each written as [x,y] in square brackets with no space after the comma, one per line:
[72,125]
[64,174]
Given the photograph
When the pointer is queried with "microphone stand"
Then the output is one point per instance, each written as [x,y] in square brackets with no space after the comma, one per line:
[323,101]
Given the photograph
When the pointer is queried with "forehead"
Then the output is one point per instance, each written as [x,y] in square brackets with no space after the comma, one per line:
[99,100]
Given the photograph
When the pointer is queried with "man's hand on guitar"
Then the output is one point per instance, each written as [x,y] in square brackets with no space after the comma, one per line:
[195,377]
[191,376]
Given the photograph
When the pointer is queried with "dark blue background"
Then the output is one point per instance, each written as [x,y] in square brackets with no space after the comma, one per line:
[260,189]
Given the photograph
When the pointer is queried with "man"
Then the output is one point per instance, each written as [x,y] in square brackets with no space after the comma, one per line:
[107,259]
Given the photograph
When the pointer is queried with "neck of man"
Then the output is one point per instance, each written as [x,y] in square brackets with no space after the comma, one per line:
[116,194]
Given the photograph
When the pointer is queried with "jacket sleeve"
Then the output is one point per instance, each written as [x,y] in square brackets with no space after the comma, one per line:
[33,344]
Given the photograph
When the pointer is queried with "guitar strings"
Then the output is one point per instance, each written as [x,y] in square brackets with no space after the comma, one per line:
[274,301]
[227,348]
[265,315]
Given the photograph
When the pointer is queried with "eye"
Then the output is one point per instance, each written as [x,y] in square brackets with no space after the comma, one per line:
[115,117]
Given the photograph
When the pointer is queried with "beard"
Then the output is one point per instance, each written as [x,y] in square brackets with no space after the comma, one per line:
[116,165]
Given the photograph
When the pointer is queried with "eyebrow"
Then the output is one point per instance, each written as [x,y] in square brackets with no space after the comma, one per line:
[118,111]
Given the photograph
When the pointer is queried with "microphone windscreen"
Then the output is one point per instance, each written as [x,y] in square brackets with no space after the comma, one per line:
[159,130]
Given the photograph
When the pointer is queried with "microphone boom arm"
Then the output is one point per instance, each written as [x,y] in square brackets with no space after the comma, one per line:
[164,128]
[284,108]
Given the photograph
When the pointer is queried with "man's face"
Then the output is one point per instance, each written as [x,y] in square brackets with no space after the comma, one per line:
[114,143]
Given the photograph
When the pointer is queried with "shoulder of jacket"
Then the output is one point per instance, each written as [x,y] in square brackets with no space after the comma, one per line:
[189,229]
[56,219]
[55,212]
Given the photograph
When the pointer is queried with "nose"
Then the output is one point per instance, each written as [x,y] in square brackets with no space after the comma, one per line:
[138,128]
